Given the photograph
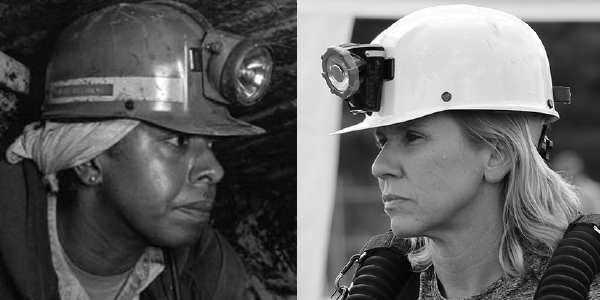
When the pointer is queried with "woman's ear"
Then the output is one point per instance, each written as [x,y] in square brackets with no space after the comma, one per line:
[90,172]
[498,164]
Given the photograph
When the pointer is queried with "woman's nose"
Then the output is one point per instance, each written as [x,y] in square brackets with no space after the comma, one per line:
[205,167]
[386,164]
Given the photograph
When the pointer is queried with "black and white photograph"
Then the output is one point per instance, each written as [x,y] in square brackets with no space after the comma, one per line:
[448,149]
[148,149]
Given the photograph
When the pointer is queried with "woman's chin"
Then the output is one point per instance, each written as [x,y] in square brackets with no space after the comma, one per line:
[181,237]
[403,228]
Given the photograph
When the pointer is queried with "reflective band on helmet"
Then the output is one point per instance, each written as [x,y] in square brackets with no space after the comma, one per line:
[117,88]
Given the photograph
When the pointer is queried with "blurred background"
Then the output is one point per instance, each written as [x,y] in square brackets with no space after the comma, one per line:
[339,203]
[256,201]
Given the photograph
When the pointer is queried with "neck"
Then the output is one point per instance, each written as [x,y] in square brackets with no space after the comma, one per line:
[465,258]
[92,244]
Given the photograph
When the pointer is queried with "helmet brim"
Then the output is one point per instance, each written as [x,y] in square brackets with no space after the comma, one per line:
[376,120]
[215,120]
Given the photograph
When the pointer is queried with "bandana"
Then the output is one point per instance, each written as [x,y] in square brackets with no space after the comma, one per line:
[58,146]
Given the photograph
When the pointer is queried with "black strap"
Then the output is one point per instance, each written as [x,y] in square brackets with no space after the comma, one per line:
[384,272]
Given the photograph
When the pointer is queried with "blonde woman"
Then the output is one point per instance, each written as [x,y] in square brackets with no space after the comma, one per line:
[459,98]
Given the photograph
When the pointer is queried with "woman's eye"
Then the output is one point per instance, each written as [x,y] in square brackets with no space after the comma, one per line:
[411,137]
[179,140]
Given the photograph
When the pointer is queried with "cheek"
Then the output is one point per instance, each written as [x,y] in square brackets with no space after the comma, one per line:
[433,173]
[146,185]
[446,178]
[165,179]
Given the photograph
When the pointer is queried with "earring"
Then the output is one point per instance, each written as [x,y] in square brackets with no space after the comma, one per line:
[93,178]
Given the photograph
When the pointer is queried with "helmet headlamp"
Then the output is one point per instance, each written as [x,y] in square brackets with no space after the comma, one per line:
[355,73]
[247,73]
[238,71]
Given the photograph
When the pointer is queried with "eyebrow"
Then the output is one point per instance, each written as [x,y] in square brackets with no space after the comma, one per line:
[404,125]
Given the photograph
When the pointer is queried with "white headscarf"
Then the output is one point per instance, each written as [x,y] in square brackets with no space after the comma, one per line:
[58,146]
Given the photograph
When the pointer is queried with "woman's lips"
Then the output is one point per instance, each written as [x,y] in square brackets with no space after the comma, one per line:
[199,205]
[392,197]
[199,211]
[392,202]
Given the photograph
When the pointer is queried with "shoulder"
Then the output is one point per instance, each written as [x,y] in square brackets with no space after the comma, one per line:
[18,184]
[595,288]
[213,266]
[574,254]
[12,181]
[16,177]
[21,191]
[24,247]
[213,248]
[592,219]
[11,173]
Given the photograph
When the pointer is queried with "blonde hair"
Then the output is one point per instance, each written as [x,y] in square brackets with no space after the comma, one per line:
[539,203]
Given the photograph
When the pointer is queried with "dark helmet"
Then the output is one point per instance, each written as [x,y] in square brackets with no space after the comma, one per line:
[159,62]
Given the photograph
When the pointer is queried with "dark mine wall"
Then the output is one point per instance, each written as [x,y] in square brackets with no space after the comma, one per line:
[257,199]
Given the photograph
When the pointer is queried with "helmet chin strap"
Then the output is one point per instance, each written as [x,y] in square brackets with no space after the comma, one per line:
[537,128]
[544,145]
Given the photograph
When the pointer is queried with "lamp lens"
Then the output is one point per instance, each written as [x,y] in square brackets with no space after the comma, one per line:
[336,73]
[253,74]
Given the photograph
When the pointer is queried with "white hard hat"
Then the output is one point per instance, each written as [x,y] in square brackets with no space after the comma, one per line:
[462,57]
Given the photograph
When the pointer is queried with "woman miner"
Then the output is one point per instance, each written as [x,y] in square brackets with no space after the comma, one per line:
[466,98]
[134,102]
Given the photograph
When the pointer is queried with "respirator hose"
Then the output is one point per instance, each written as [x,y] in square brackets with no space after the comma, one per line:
[380,276]
[384,272]
[573,266]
